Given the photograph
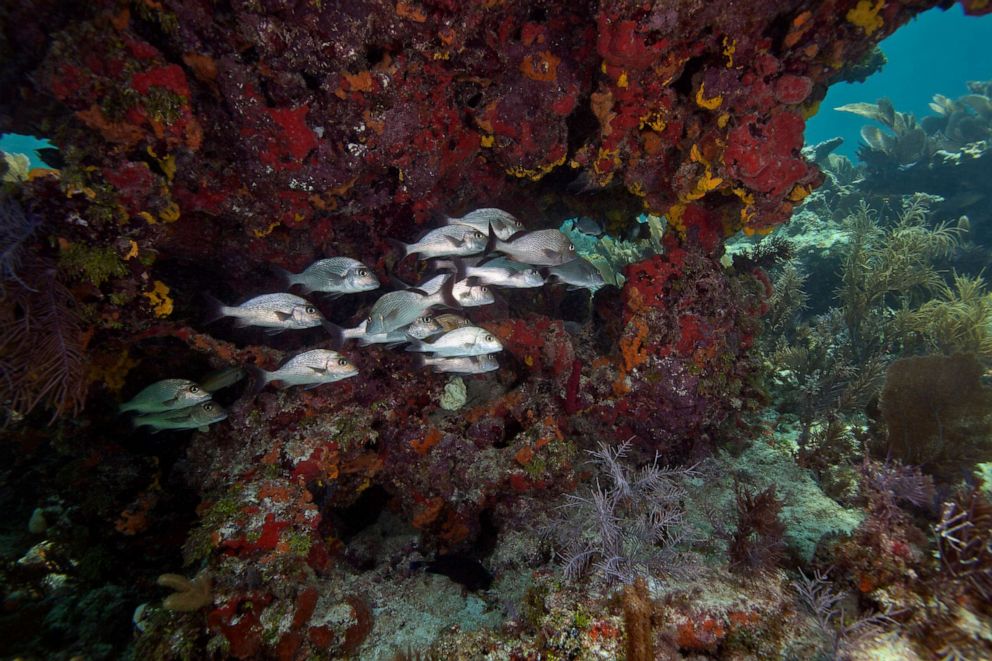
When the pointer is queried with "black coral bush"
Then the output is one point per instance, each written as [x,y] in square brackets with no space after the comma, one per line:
[42,360]
[627,523]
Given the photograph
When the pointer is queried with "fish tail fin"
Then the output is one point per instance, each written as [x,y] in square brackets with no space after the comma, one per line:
[492,243]
[460,268]
[215,309]
[448,295]
[259,378]
[402,249]
[337,334]
[416,345]
[287,277]
[548,276]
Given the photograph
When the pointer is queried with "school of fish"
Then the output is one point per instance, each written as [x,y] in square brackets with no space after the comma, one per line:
[483,249]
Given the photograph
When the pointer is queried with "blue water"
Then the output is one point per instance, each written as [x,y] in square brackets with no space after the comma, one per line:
[934,54]
[24,144]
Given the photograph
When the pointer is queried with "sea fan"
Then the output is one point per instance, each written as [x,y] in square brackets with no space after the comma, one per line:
[41,350]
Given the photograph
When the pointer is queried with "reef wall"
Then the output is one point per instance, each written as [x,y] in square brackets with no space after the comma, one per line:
[201,143]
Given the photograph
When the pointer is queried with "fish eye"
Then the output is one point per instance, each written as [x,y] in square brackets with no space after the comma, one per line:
[208,407]
[342,361]
[363,272]
[311,309]
[194,389]
[571,249]
[489,338]
[485,289]
[426,320]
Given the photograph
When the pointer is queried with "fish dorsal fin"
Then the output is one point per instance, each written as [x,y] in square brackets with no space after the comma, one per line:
[417,290]
[516,235]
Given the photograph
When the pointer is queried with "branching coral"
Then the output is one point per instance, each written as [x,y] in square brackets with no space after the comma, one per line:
[958,321]
[41,350]
[757,543]
[964,539]
[817,594]
[889,266]
[16,228]
[189,595]
[632,525]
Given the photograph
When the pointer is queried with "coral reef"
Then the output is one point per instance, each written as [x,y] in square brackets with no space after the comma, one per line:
[201,145]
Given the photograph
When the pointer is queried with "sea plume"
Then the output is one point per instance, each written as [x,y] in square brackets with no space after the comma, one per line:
[42,362]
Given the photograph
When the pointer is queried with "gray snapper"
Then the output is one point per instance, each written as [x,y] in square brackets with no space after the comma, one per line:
[504,224]
[337,275]
[400,308]
[467,341]
[467,292]
[450,321]
[446,241]
[496,276]
[276,311]
[578,274]
[421,328]
[460,364]
[166,395]
[538,248]
[199,416]
[310,368]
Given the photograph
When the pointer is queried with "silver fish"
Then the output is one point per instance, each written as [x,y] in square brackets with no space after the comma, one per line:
[310,368]
[222,378]
[199,416]
[397,309]
[276,311]
[497,276]
[578,273]
[538,248]
[423,327]
[460,364]
[468,293]
[337,275]
[588,225]
[450,321]
[504,224]
[166,395]
[467,341]
[447,240]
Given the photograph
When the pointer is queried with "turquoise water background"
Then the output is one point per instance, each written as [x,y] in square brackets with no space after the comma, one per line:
[936,53]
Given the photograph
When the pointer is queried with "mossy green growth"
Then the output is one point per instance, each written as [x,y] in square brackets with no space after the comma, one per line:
[96,265]
[534,608]
[582,619]
[299,544]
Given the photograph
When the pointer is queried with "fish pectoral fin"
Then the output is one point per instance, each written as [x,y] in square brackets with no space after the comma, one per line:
[203,428]
[274,331]
[548,252]
[456,242]
[319,370]
[283,316]
[171,401]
